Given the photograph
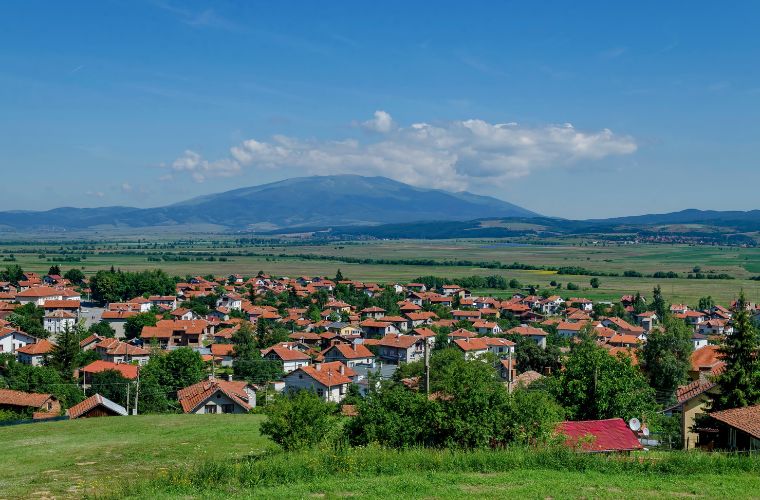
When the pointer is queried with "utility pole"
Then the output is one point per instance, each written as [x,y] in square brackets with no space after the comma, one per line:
[137,392]
[128,384]
[427,368]
[509,377]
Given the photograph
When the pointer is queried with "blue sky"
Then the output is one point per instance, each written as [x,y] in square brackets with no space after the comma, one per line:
[574,109]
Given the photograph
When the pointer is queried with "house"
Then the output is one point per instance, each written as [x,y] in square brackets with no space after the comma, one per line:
[96,406]
[698,340]
[692,400]
[581,303]
[647,320]
[739,428]
[349,355]
[715,327]
[12,339]
[116,320]
[38,295]
[373,312]
[291,358]
[550,305]
[128,371]
[183,314]
[705,361]
[487,327]
[329,381]
[116,351]
[465,315]
[535,334]
[472,347]
[376,329]
[34,354]
[623,340]
[59,321]
[42,405]
[224,353]
[217,396]
[499,346]
[567,329]
[599,436]
[397,348]
[72,306]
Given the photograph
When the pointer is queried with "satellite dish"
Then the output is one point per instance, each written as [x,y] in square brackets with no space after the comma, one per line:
[634,424]
[645,431]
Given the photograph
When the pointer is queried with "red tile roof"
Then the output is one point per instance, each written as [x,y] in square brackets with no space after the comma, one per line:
[600,435]
[42,347]
[745,419]
[126,370]
[93,402]
[353,351]
[20,398]
[193,396]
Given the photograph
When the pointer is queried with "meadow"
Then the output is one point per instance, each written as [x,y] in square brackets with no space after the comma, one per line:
[218,456]
[220,256]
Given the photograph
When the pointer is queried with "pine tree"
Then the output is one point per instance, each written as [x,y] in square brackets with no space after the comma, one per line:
[338,276]
[659,305]
[740,381]
[667,358]
[64,354]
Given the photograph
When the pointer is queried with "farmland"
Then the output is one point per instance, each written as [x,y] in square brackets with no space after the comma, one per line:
[402,260]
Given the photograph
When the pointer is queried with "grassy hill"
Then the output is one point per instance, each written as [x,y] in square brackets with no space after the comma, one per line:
[218,456]
[90,456]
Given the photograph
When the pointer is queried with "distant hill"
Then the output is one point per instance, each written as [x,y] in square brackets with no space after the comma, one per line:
[336,200]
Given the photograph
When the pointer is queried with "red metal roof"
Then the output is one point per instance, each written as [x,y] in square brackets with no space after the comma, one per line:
[600,435]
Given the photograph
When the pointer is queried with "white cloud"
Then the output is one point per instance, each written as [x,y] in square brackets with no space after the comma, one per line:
[453,155]
[382,122]
[200,169]
[126,187]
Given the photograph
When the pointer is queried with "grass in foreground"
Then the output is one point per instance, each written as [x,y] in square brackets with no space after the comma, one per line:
[374,473]
[89,456]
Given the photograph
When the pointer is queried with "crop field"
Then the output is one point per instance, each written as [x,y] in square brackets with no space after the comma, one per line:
[422,257]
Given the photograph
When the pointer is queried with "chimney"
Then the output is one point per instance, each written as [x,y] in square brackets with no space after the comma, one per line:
[342,369]
[354,347]
[229,377]
[547,371]
[318,367]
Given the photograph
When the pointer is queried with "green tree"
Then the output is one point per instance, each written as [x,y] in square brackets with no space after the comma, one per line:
[596,385]
[102,328]
[13,274]
[740,381]
[75,276]
[659,305]
[28,318]
[666,358]
[594,282]
[706,303]
[299,420]
[248,363]
[64,354]
[134,325]
[112,385]
[44,379]
[338,276]
[181,368]
[54,269]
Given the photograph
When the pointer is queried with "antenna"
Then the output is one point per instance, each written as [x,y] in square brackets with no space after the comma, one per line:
[634,424]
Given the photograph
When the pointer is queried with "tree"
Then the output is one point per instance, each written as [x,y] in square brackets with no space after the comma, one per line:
[43,379]
[597,385]
[594,282]
[659,305]
[181,368]
[64,354]
[299,420]
[75,276]
[639,305]
[13,274]
[530,356]
[133,326]
[666,358]
[706,303]
[102,328]
[338,276]
[740,381]
[54,269]
[28,318]
[112,385]
[248,363]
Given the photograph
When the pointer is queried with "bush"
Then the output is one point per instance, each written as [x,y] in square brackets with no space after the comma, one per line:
[299,420]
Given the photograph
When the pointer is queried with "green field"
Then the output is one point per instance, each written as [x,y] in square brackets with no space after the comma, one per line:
[283,260]
[189,456]
[90,456]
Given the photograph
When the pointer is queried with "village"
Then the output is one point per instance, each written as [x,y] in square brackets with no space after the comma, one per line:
[340,339]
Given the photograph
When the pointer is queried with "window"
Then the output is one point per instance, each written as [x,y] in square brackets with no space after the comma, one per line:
[210,408]
[320,392]
[228,408]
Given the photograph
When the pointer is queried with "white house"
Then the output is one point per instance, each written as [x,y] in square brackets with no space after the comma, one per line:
[38,295]
[350,355]
[395,348]
[34,354]
[11,340]
[291,358]
[59,320]
[328,380]
[217,396]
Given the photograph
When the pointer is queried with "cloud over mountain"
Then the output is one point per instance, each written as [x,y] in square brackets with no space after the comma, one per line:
[452,155]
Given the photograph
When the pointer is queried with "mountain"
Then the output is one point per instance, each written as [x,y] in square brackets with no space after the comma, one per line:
[336,200]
